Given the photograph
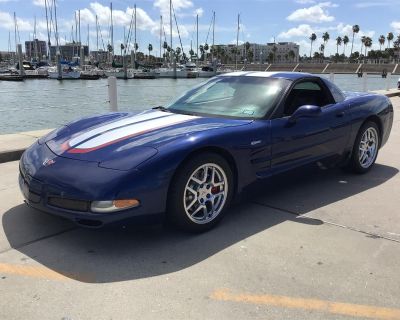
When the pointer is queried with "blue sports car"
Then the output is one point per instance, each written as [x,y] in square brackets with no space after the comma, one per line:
[188,159]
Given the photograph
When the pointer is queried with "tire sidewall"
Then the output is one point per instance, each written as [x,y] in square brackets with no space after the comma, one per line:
[176,213]
[355,162]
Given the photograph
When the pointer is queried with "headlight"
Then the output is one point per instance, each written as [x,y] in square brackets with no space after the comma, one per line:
[51,135]
[113,205]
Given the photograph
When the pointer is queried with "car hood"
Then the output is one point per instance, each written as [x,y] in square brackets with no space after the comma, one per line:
[111,136]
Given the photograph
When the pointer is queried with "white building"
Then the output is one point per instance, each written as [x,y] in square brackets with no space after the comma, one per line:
[283,52]
[260,53]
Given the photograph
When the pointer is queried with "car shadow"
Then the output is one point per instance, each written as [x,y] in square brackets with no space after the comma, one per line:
[134,252]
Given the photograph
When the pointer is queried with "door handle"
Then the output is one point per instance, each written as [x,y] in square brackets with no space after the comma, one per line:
[340,114]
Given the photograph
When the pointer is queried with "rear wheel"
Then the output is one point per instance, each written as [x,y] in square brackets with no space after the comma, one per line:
[200,193]
[366,146]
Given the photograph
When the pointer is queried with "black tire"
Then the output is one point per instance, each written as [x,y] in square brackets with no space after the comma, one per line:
[354,164]
[176,213]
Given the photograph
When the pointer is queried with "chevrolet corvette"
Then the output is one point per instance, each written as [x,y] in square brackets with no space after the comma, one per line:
[187,160]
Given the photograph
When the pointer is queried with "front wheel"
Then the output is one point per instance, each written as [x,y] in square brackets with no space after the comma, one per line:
[366,146]
[200,193]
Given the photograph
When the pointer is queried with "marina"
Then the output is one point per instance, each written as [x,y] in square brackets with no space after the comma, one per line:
[41,104]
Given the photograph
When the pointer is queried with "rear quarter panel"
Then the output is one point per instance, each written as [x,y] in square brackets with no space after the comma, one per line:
[364,106]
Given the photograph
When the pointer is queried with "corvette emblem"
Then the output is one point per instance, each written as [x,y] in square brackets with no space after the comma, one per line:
[48,162]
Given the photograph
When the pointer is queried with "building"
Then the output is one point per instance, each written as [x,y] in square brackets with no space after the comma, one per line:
[282,52]
[35,49]
[69,51]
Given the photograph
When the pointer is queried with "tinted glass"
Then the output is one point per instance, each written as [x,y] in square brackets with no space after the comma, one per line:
[241,97]
[336,92]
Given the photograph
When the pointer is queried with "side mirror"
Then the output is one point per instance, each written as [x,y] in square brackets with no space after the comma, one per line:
[307,111]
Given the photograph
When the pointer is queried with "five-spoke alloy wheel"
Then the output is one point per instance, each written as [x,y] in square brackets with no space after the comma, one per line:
[200,192]
[366,147]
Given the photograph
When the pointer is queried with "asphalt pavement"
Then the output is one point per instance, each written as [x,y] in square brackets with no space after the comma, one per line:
[310,244]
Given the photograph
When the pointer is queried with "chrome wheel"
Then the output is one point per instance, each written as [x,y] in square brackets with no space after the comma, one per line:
[368,147]
[205,193]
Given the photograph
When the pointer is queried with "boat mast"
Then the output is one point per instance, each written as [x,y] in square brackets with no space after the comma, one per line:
[237,42]
[35,48]
[170,27]
[15,32]
[160,36]
[9,44]
[135,44]
[48,32]
[97,35]
[197,37]
[213,33]
[112,30]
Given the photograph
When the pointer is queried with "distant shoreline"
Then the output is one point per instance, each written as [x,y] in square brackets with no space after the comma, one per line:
[326,68]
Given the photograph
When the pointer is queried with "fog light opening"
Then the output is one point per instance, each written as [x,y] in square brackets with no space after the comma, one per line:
[113,205]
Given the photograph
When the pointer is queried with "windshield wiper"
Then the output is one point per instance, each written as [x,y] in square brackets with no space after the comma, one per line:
[161,108]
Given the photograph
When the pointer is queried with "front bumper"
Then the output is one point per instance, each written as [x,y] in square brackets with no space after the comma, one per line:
[67,188]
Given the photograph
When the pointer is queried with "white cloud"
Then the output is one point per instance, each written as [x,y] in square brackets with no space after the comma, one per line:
[120,17]
[396,26]
[313,14]
[303,30]
[87,16]
[198,11]
[40,3]
[178,5]
[7,22]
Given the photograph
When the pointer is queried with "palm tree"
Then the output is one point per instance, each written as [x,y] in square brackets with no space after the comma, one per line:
[345,42]
[206,47]
[390,37]
[356,29]
[150,48]
[201,48]
[338,43]
[321,50]
[312,38]
[325,37]
[367,44]
[381,41]
[274,52]
[363,38]
[292,55]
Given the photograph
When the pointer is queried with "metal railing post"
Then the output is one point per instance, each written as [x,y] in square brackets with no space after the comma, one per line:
[388,76]
[365,78]
[112,93]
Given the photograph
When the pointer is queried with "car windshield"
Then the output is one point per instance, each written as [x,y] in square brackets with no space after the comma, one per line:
[231,96]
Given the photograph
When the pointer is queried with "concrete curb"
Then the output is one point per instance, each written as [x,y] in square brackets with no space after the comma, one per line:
[11,155]
[25,139]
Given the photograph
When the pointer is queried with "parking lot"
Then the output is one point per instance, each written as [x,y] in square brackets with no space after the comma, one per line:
[311,244]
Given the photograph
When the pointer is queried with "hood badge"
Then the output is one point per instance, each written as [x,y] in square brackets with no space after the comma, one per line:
[253,143]
[48,162]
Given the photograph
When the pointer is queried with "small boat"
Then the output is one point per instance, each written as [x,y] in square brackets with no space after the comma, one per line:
[207,72]
[11,77]
[39,73]
[89,73]
[68,73]
[145,74]
[118,73]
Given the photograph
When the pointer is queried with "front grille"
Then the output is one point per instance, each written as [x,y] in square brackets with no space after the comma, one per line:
[69,204]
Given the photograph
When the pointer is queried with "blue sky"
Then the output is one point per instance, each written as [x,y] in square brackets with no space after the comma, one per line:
[261,20]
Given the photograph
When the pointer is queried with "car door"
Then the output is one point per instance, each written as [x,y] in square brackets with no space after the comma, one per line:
[308,139]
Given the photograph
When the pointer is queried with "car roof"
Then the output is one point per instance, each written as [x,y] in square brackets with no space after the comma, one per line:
[265,74]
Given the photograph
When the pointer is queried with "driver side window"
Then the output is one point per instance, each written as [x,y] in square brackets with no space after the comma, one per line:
[305,93]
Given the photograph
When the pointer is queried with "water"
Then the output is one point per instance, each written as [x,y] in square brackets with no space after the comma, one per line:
[43,104]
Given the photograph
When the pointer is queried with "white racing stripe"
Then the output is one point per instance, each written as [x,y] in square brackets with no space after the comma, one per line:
[131,130]
[116,124]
